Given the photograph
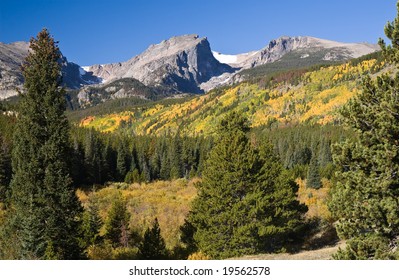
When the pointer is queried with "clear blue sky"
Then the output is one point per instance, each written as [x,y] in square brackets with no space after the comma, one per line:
[92,32]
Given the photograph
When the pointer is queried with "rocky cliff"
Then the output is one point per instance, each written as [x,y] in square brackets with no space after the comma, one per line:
[179,64]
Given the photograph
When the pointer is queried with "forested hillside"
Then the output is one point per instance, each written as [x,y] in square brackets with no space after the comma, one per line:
[307,96]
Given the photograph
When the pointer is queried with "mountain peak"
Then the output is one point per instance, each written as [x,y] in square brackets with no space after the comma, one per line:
[178,64]
[169,47]
[305,46]
[179,41]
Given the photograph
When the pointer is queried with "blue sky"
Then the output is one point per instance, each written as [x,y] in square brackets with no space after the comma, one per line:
[92,32]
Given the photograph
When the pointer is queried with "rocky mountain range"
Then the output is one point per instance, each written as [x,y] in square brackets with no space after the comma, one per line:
[308,46]
[300,51]
[182,64]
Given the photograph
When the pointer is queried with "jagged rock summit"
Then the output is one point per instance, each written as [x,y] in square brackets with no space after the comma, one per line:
[305,46]
[178,64]
[11,57]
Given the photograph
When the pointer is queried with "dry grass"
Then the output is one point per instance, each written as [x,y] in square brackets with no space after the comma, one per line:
[315,200]
[169,201]
[319,254]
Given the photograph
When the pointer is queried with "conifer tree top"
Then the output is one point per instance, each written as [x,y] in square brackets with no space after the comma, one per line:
[41,67]
[391,52]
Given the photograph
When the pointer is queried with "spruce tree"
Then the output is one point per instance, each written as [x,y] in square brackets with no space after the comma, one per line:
[77,162]
[325,156]
[91,225]
[93,158]
[313,179]
[121,161]
[153,246]
[46,207]
[365,198]
[117,223]
[391,52]
[175,158]
[164,171]
[3,187]
[146,172]
[245,202]
[187,231]
[5,169]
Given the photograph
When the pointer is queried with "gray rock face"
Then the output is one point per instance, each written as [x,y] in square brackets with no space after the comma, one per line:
[11,79]
[307,46]
[74,76]
[336,51]
[179,64]
[122,88]
[11,58]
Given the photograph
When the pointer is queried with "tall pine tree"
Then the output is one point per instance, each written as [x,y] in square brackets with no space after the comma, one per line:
[5,169]
[244,204]
[117,223]
[153,246]
[365,198]
[46,207]
[121,161]
[91,225]
[313,179]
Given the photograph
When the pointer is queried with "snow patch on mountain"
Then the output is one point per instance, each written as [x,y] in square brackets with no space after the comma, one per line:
[235,60]
[225,58]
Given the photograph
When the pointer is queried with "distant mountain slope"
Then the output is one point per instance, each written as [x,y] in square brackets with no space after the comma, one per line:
[11,58]
[286,98]
[287,53]
[305,46]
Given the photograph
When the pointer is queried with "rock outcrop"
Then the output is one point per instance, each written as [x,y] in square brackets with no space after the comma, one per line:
[179,64]
[308,47]
[11,58]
